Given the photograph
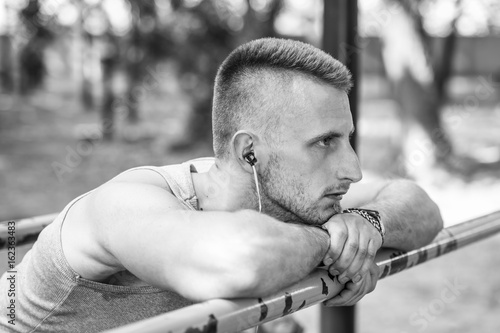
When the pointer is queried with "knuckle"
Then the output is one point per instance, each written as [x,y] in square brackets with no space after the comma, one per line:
[341,233]
[340,266]
[362,252]
[370,255]
[334,254]
[352,247]
[342,269]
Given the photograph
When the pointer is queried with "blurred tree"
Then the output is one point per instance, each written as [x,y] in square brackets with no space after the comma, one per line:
[85,41]
[418,82]
[6,64]
[6,75]
[212,30]
[38,35]
[146,45]
[109,61]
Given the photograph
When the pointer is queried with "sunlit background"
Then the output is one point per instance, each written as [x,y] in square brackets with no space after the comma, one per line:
[91,88]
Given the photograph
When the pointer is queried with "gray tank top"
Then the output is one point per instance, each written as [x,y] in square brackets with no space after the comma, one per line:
[51,297]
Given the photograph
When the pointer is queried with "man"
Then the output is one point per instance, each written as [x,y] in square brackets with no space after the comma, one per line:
[154,239]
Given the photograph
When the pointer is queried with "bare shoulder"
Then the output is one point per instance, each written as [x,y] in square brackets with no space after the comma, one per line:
[130,196]
[147,175]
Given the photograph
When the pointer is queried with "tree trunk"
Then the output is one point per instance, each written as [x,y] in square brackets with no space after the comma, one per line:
[107,112]
[86,95]
[109,62]
[6,77]
[413,81]
[134,90]
[85,43]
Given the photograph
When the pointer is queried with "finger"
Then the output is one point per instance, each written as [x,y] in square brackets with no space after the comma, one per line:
[338,236]
[340,299]
[366,264]
[349,295]
[359,266]
[327,261]
[348,254]
[374,274]
[350,292]
[363,289]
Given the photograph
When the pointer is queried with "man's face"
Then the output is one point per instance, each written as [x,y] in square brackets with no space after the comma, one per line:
[314,163]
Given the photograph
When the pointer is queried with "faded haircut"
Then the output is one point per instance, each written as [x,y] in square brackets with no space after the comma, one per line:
[246,84]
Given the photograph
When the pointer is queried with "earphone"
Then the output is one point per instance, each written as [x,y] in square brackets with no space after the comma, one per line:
[250,159]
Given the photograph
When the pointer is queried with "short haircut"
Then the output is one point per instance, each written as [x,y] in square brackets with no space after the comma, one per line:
[239,97]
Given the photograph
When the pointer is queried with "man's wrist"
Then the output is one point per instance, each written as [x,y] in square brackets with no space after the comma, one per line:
[372,216]
[322,238]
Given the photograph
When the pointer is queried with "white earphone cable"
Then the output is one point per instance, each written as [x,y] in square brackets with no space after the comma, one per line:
[257,187]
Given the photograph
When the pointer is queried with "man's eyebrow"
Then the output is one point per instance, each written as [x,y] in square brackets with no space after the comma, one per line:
[329,134]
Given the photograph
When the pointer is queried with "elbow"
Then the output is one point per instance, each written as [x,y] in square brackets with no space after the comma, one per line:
[437,221]
[431,217]
[431,228]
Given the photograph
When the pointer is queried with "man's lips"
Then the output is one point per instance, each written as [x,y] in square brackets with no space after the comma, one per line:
[336,195]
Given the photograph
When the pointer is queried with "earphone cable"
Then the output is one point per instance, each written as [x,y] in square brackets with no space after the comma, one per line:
[257,187]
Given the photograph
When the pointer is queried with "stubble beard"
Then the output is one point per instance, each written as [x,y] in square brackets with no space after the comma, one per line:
[284,197]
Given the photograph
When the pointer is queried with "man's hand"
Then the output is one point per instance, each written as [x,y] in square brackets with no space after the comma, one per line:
[353,292]
[354,244]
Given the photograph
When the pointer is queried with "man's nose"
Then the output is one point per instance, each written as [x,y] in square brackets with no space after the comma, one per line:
[349,166]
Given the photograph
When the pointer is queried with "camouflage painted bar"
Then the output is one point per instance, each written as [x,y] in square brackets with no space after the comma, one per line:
[235,315]
[449,239]
[26,230]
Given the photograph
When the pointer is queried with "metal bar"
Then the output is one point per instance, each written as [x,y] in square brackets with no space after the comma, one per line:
[220,315]
[26,230]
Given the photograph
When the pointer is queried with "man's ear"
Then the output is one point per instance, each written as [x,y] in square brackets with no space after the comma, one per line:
[243,143]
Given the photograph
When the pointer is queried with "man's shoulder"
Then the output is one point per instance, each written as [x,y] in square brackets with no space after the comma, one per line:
[155,175]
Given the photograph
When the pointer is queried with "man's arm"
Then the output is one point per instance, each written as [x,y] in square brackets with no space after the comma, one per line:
[200,255]
[410,217]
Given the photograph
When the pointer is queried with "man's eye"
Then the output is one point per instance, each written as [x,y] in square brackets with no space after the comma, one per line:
[326,142]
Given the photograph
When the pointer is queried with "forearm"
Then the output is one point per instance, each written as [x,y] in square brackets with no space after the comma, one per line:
[286,253]
[410,217]
[258,253]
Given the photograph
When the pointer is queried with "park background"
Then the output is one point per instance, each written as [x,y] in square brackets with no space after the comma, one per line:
[91,88]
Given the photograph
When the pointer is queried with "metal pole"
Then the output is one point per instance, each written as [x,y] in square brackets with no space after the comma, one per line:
[340,20]
[334,27]
[352,59]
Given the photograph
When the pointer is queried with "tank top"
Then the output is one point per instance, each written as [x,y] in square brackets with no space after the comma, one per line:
[51,297]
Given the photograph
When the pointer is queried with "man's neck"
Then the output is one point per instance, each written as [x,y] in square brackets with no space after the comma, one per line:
[223,188]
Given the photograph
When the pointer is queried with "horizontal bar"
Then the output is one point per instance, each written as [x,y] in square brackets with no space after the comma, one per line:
[233,315]
[25,230]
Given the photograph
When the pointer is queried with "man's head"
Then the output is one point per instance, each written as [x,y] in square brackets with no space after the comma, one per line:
[287,101]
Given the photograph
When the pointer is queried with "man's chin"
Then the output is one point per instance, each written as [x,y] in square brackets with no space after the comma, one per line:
[329,213]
